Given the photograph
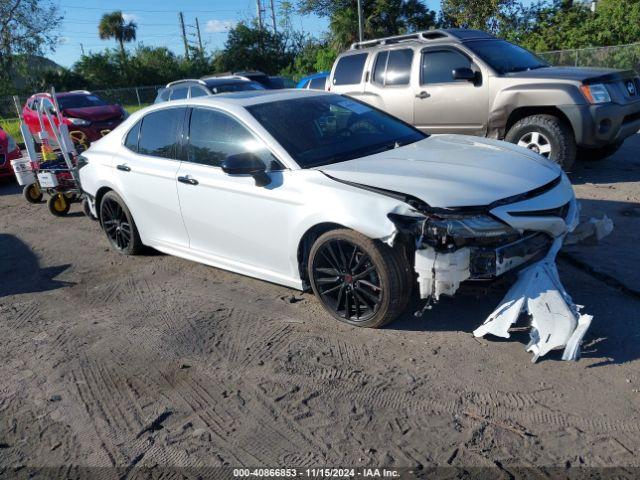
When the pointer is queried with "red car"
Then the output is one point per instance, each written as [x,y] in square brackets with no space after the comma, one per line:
[81,111]
[9,150]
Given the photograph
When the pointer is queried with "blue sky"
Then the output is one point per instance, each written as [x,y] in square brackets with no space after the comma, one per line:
[158,22]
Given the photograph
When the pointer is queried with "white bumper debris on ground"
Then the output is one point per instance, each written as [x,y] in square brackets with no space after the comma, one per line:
[594,229]
[555,320]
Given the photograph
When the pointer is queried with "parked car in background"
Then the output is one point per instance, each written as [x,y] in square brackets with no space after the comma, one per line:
[317,81]
[81,111]
[9,150]
[312,189]
[190,88]
[469,82]
[270,82]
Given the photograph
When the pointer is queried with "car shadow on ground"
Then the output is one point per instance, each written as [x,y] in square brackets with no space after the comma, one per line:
[9,187]
[20,270]
[623,166]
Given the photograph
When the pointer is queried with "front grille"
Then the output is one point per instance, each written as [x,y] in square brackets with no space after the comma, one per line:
[487,263]
[561,212]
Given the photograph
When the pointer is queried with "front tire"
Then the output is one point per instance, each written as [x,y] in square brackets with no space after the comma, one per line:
[359,281]
[117,223]
[547,135]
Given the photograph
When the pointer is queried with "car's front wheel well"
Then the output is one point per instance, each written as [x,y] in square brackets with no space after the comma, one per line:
[524,112]
[305,244]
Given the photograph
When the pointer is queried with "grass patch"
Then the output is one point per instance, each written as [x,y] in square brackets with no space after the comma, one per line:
[12,125]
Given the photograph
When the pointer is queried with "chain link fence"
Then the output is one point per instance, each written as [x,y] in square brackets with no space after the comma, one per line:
[625,57]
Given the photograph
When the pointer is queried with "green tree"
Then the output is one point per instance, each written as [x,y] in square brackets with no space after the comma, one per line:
[249,47]
[113,25]
[382,18]
[27,27]
[487,15]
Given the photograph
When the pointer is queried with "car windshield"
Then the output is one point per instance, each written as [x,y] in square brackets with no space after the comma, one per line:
[505,57]
[236,87]
[325,129]
[79,101]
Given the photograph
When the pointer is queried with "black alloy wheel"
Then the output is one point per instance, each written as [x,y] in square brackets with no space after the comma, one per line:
[118,225]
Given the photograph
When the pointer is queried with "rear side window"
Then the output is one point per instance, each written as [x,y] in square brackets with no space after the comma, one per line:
[214,135]
[179,93]
[393,67]
[160,133]
[163,95]
[438,66]
[131,141]
[198,92]
[318,83]
[349,69]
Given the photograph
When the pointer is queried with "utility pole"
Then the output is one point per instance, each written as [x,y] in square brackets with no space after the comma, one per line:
[360,20]
[199,37]
[273,18]
[82,49]
[184,36]
[259,4]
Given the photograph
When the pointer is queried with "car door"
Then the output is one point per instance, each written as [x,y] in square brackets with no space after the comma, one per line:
[389,87]
[229,219]
[443,104]
[146,176]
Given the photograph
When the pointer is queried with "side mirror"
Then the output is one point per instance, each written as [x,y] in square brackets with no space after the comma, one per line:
[246,164]
[463,73]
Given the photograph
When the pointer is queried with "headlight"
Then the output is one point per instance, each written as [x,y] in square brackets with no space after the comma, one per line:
[452,230]
[79,122]
[596,93]
[11,144]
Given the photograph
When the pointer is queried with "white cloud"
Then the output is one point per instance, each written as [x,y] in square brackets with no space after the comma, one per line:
[218,26]
[129,17]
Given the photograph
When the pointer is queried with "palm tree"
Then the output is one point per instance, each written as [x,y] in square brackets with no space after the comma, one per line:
[113,25]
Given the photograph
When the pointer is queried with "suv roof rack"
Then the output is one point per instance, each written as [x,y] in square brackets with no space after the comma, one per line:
[175,82]
[424,35]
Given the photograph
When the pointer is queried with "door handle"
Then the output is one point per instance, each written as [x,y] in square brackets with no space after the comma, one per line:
[422,95]
[188,180]
[124,168]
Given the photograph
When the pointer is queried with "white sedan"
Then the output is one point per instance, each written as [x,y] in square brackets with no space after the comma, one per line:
[312,189]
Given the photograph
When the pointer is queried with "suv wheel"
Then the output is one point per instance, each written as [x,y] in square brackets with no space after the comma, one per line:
[358,280]
[118,225]
[547,135]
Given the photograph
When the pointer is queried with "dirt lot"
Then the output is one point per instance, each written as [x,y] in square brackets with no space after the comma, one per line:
[155,361]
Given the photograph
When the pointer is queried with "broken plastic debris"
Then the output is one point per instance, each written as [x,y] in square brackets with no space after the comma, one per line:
[555,320]
[594,228]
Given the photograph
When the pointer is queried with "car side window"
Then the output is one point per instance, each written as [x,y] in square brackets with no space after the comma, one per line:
[393,67]
[160,133]
[131,140]
[163,95]
[318,83]
[197,92]
[437,66]
[349,69]
[179,93]
[215,135]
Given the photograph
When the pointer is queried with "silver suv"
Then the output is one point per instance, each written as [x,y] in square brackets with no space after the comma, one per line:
[469,82]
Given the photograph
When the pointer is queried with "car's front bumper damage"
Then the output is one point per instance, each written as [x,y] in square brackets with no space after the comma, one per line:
[555,320]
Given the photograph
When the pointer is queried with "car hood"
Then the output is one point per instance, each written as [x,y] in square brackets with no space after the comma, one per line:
[450,170]
[578,74]
[94,114]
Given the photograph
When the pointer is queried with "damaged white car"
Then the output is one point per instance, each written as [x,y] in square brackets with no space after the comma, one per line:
[312,189]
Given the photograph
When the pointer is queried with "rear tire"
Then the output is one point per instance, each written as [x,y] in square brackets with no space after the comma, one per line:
[118,225]
[359,281]
[548,135]
[32,193]
[595,154]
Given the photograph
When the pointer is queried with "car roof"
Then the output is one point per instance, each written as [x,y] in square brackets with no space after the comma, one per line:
[248,97]
[226,80]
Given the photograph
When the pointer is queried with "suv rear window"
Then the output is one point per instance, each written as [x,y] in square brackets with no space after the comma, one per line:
[393,67]
[349,69]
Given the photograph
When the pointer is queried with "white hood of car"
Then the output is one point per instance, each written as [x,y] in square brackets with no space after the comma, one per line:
[451,170]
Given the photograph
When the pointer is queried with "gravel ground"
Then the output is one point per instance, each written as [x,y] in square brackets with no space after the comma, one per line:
[158,362]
